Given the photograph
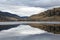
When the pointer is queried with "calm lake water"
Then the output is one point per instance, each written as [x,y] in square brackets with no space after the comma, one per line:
[28,22]
[26,32]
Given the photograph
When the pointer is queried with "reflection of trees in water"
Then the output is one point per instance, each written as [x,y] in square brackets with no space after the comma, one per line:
[54,28]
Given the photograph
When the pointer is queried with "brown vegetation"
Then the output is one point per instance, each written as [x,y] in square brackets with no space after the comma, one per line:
[49,15]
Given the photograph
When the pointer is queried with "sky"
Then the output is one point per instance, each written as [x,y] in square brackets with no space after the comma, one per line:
[21,10]
[26,8]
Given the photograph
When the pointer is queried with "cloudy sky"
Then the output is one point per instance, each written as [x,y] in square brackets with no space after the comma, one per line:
[26,8]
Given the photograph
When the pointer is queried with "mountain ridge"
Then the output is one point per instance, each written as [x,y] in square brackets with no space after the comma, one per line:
[49,15]
[6,16]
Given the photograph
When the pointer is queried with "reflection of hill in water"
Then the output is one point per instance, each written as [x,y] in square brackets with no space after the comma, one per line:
[5,27]
[54,28]
[33,37]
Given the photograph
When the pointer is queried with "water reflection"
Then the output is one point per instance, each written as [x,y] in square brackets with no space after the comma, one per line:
[22,29]
[26,32]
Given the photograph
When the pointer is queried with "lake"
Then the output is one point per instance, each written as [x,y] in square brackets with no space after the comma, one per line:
[26,32]
[28,22]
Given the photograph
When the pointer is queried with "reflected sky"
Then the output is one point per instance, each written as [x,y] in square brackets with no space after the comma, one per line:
[26,32]
[21,30]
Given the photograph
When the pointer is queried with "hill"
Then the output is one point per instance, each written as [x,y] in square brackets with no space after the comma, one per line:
[6,16]
[49,15]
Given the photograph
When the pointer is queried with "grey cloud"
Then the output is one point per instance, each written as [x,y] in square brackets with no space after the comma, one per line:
[35,3]
[21,10]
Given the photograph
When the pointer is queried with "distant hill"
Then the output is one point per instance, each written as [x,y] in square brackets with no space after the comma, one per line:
[6,16]
[49,15]
[24,18]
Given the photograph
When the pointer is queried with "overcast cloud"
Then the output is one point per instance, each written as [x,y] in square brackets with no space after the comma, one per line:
[34,3]
[21,10]
[27,7]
